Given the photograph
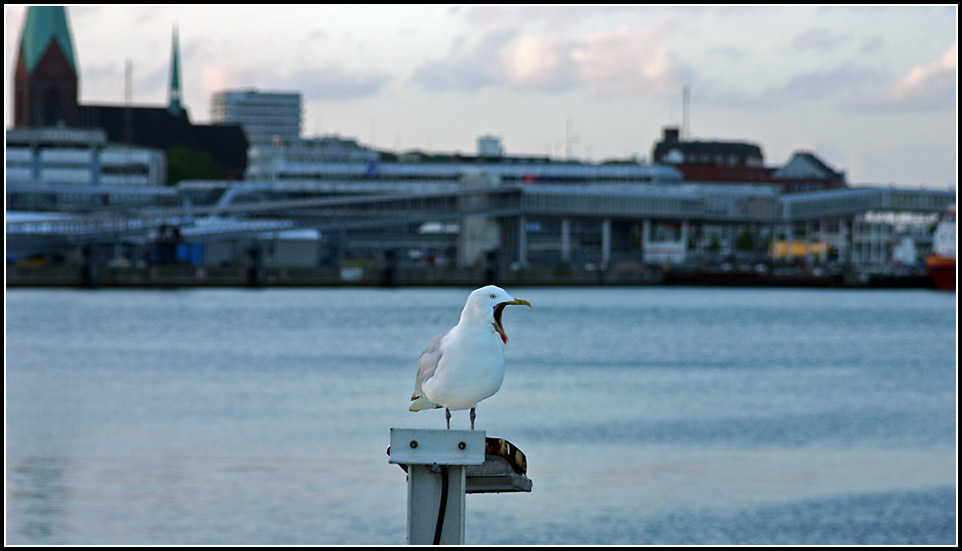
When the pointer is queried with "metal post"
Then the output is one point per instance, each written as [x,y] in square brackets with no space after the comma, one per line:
[789,237]
[645,239]
[684,240]
[435,461]
[523,241]
[445,465]
[845,228]
[605,243]
[566,240]
[436,504]
[823,241]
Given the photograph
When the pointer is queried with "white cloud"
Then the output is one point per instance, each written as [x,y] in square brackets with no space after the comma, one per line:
[626,61]
[538,61]
[930,85]
[631,60]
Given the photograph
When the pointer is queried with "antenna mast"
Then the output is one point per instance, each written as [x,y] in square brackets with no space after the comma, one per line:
[684,113]
[128,96]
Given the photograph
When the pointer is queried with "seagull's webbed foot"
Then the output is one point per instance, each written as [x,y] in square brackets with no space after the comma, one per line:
[447,416]
[472,418]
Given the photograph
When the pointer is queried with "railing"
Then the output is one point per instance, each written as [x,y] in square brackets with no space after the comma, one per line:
[387,209]
[81,227]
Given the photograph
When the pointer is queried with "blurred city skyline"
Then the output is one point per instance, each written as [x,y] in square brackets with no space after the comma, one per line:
[871,90]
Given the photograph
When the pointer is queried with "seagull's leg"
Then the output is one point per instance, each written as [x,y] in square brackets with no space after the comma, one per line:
[447,416]
[472,418]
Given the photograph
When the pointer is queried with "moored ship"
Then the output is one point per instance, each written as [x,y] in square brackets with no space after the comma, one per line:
[941,262]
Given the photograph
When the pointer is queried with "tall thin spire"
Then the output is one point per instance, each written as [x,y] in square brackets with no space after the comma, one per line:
[174,103]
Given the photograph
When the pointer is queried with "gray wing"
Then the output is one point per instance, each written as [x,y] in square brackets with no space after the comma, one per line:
[428,363]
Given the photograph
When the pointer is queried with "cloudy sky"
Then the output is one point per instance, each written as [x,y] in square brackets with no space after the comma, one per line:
[871,90]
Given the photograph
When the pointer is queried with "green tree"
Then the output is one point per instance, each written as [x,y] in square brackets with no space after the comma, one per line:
[191,164]
[745,241]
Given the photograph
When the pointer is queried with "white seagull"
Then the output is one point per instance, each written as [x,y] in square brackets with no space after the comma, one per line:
[465,364]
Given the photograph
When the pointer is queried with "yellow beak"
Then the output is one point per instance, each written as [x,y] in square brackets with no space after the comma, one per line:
[497,315]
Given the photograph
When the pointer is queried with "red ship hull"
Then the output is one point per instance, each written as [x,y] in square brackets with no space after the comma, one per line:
[942,272]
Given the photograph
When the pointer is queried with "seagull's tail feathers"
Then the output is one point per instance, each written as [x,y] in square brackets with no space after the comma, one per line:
[420,402]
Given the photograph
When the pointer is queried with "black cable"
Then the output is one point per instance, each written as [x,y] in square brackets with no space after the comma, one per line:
[444,504]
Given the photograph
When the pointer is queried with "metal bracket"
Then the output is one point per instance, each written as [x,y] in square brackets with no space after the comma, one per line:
[436,447]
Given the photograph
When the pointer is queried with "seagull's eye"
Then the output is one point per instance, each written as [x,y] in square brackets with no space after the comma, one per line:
[493,296]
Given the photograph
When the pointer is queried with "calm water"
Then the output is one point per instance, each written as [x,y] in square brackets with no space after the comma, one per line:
[649,416]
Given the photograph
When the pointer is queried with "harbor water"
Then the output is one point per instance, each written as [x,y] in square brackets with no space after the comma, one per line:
[648,415]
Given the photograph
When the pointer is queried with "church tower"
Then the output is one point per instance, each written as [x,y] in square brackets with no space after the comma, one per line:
[45,77]
[173,104]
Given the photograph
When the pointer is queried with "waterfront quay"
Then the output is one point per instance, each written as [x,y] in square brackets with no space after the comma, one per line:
[65,275]
[472,231]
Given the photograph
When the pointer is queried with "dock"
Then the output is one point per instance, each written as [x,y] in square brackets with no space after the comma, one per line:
[185,276]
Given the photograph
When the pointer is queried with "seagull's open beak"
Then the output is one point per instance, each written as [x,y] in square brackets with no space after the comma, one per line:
[498,309]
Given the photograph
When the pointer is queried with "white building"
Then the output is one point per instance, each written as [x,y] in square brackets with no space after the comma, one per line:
[269,162]
[506,170]
[72,156]
[490,146]
[272,123]
[267,117]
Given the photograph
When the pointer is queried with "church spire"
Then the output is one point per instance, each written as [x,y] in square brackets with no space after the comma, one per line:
[174,103]
[45,77]
[46,24]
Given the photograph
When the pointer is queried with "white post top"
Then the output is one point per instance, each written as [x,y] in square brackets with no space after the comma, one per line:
[437,447]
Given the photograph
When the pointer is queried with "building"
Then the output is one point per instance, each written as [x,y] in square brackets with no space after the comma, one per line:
[281,159]
[45,75]
[711,161]
[806,172]
[159,128]
[57,168]
[46,95]
[266,117]
[75,156]
[742,163]
[333,160]
[272,123]
[672,150]
[489,146]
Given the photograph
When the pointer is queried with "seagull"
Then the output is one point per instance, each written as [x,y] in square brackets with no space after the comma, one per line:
[465,364]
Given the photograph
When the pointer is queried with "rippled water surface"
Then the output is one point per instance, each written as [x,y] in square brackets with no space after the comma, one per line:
[648,416]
